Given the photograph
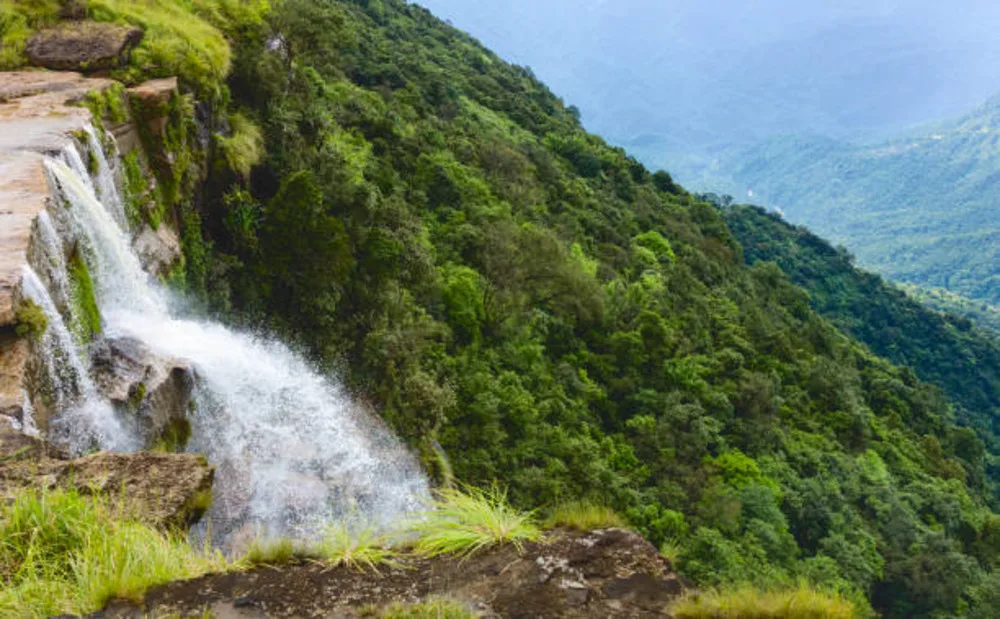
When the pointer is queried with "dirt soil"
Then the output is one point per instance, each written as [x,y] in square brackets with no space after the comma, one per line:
[606,573]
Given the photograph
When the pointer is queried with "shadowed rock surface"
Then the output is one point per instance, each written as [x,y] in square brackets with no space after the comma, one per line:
[163,490]
[607,573]
[154,389]
[83,46]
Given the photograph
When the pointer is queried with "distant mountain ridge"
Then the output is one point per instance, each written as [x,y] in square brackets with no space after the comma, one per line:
[922,209]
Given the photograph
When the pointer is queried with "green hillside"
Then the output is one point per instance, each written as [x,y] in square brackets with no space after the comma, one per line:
[525,304]
[922,209]
[941,348]
[436,224]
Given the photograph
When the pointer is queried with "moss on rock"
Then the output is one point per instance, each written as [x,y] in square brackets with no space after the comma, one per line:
[30,320]
[86,323]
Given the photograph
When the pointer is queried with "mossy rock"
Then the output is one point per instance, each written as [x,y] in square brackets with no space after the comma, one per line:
[83,46]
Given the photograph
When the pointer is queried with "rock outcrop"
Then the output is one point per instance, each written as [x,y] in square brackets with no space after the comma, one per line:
[41,114]
[155,390]
[84,46]
[164,490]
[607,573]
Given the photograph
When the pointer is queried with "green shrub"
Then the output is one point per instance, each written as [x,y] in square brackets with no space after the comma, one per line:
[64,553]
[583,517]
[245,147]
[750,603]
[464,522]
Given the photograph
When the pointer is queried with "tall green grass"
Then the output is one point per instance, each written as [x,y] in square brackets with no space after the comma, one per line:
[463,522]
[750,603]
[64,553]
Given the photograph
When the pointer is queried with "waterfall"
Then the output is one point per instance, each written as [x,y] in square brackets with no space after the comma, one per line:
[292,451]
[86,420]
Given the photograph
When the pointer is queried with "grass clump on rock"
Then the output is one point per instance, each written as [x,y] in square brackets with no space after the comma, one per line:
[61,552]
[582,516]
[428,609]
[750,603]
[463,522]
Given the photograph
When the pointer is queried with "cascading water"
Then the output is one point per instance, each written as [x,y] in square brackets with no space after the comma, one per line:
[86,419]
[291,450]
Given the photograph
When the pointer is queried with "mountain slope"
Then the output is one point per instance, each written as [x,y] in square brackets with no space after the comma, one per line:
[941,348]
[923,209]
[529,306]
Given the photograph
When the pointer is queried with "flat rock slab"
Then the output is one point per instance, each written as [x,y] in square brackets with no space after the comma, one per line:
[607,573]
[37,117]
[83,46]
[164,490]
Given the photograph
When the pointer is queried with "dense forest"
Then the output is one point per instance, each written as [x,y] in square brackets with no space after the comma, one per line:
[529,306]
[534,304]
[943,349]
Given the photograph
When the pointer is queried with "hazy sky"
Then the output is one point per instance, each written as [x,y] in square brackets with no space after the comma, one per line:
[702,74]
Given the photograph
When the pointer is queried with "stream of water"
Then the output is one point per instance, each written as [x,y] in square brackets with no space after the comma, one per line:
[292,451]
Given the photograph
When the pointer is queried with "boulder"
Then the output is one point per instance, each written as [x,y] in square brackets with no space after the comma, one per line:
[160,489]
[83,46]
[156,390]
[159,250]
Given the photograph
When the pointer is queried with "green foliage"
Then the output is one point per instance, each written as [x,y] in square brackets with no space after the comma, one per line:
[507,288]
[29,319]
[583,517]
[108,105]
[940,348]
[86,323]
[64,553]
[465,522]
[136,188]
[748,603]
[18,21]
[243,148]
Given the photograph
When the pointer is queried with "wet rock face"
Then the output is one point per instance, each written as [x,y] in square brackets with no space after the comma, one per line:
[159,250]
[608,573]
[163,490]
[83,46]
[155,390]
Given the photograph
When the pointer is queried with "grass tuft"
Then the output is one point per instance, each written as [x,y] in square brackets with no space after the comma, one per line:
[363,551]
[583,517]
[749,603]
[464,522]
[428,609]
[61,553]
[274,551]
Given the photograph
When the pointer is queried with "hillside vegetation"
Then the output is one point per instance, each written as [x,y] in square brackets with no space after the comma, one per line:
[943,349]
[529,306]
[922,209]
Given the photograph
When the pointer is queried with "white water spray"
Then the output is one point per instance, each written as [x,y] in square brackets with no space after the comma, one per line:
[292,451]
[86,420]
